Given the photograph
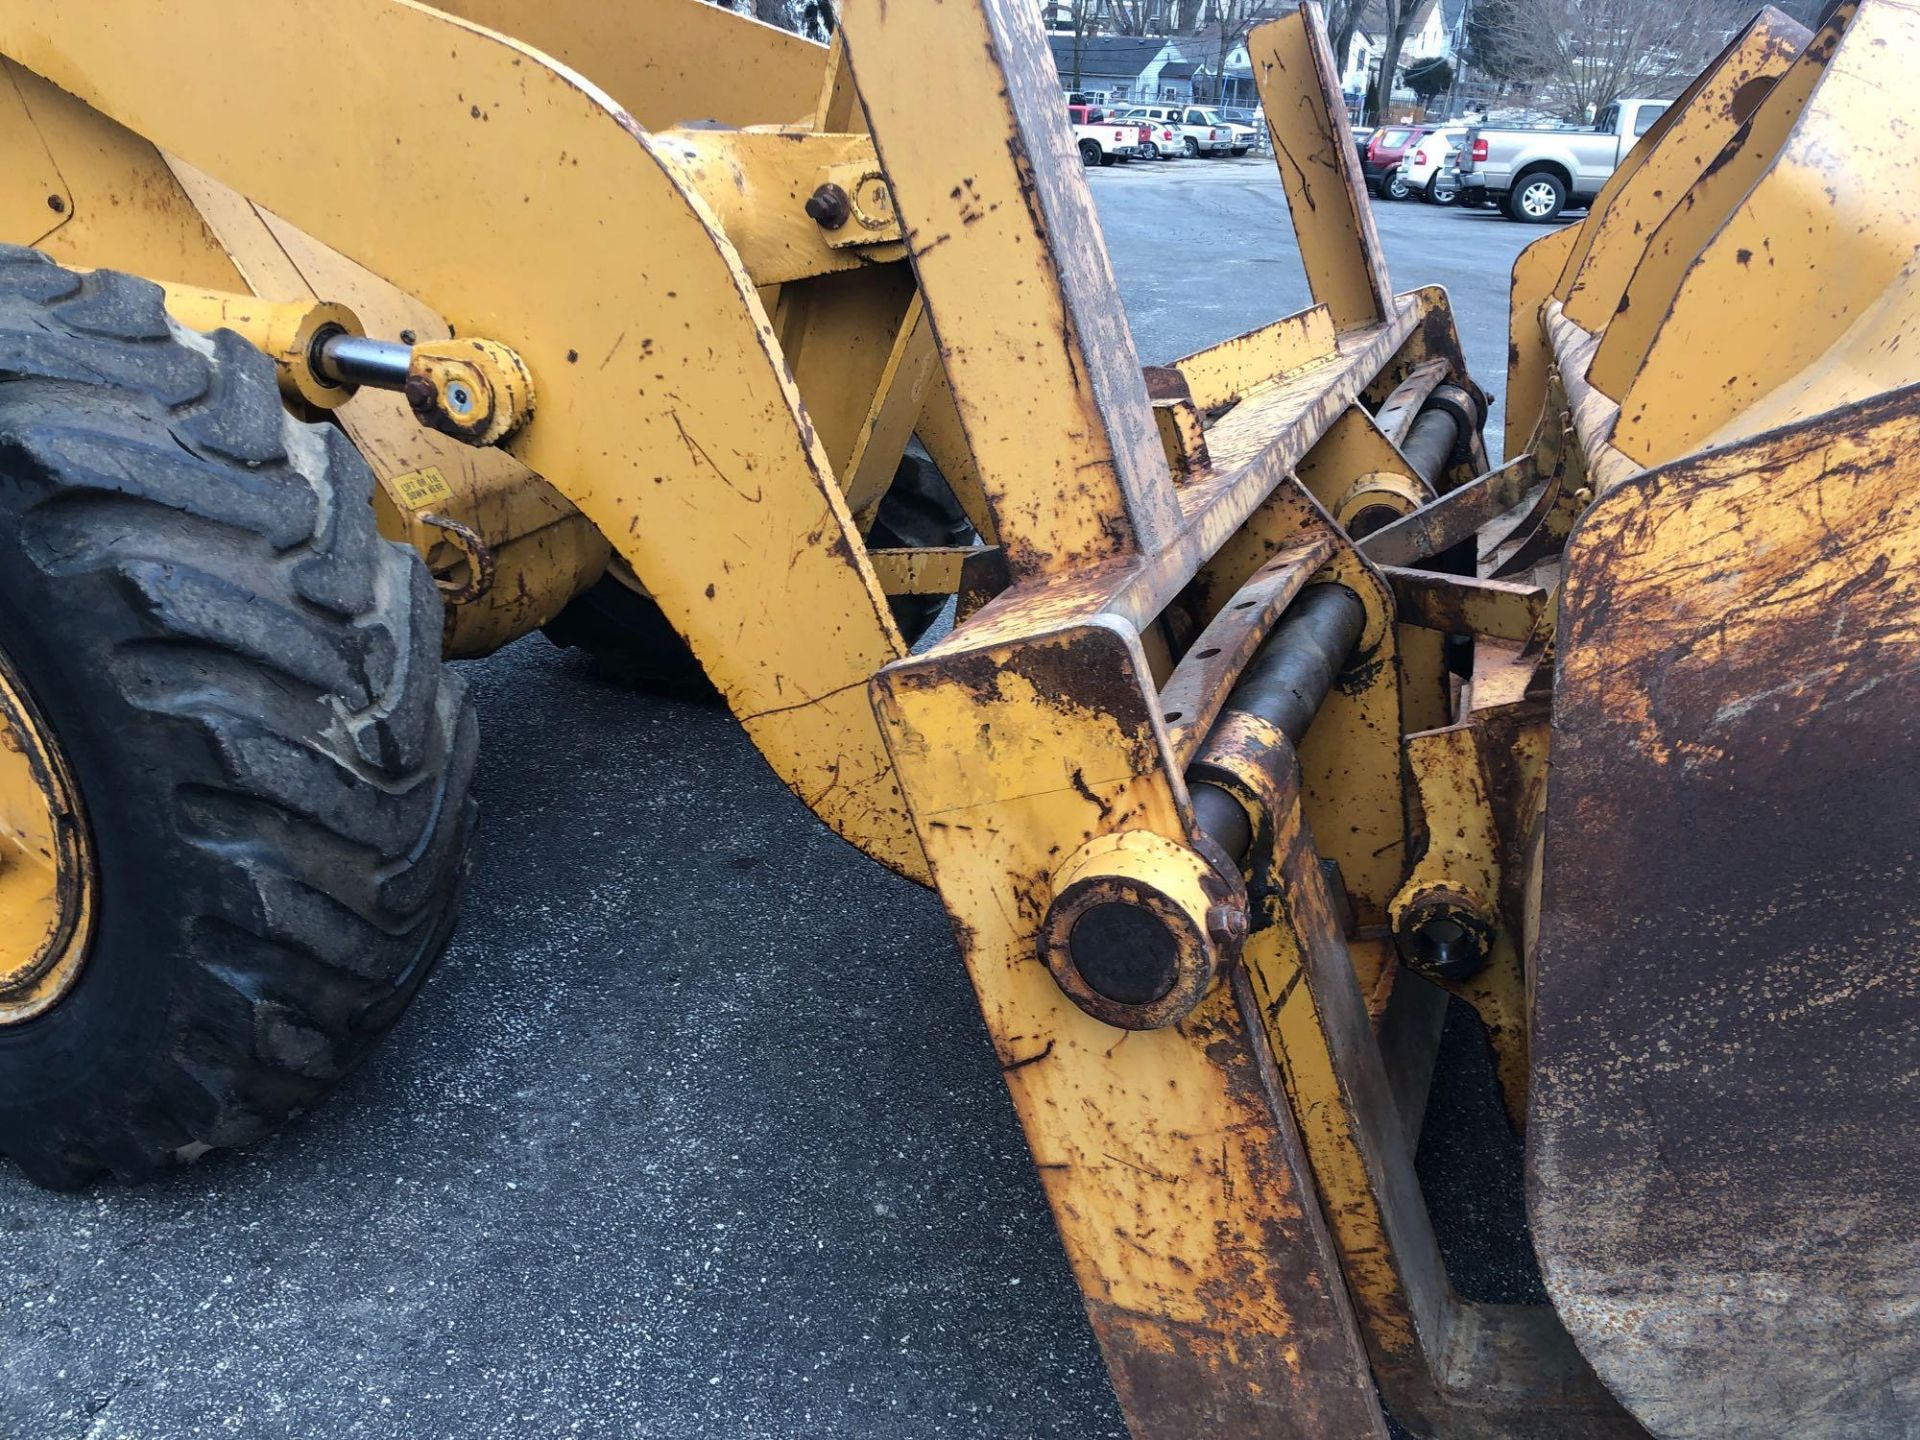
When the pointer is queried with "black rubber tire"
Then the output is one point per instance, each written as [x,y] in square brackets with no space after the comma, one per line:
[1394,187]
[1091,154]
[246,682]
[632,643]
[1191,146]
[1433,195]
[1531,180]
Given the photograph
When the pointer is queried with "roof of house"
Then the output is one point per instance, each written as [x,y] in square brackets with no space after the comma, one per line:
[1179,69]
[1119,55]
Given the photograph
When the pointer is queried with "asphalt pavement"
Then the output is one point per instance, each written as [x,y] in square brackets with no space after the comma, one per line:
[696,1132]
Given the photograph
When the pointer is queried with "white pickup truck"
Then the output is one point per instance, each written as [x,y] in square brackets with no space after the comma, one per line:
[1193,131]
[1535,174]
[1103,139]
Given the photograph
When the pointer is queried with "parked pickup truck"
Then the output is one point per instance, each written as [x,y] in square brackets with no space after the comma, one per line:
[1102,139]
[1535,174]
[1197,136]
[1241,137]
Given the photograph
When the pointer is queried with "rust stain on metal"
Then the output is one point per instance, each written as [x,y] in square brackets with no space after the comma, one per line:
[1737,680]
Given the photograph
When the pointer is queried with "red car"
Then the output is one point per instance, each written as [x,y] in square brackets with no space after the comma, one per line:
[1381,159]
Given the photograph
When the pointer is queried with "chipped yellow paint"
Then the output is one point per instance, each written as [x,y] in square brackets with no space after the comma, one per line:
[124,210]
[1528,354]
[768,74]
[544,551]
[1332,218]
[757,183]
[1189,1228]
[1462,857]
[690,468]
[1040,361]
[1223,373]
[1659,171]
[1793,259]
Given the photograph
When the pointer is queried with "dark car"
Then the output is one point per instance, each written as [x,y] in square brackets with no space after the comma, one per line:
[1381,159]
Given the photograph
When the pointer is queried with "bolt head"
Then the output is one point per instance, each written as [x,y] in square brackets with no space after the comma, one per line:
[1227,926]
[829,207]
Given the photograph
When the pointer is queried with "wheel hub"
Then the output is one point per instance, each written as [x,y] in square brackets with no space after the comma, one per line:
[47,875]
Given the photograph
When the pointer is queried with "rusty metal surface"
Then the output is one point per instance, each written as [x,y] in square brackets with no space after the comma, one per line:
[1466,604]
[1446,1367]
[1458,515]
[1035,347]
[1396,413]
[1168,1155]
[1194,693]
[1725,1134]
[1233,1184]
[1656,175]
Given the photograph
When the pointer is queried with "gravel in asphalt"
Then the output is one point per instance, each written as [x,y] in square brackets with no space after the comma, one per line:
[696,1132]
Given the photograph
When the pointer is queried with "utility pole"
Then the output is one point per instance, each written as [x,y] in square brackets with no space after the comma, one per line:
[1459,45]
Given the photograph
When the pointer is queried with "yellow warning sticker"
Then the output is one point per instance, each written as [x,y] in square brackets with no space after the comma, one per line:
[421,488]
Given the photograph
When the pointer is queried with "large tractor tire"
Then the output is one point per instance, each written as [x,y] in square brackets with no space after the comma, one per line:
[240,683]
[632,643]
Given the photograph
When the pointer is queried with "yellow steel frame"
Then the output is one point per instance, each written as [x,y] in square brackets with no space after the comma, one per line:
[491,167]
[725,383]
[721,412]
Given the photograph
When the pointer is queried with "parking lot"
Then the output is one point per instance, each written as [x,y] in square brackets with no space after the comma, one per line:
[1203,249]
[696,1132]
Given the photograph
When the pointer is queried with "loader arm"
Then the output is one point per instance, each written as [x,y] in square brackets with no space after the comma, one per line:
[464,167]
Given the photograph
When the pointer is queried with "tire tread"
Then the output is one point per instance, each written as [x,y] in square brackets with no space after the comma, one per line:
[285,663]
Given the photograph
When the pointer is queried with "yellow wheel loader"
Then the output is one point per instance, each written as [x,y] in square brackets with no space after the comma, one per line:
[343,338]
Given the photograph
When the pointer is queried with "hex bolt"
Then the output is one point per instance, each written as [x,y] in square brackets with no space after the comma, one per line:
[829,206]
[1227,926]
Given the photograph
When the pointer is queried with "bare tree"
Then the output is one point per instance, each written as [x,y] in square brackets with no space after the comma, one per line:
[1591,53]
[1083,19]
[1343,18]
[1396,21]
[1230,21]
[1500,46]
[1148,17]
